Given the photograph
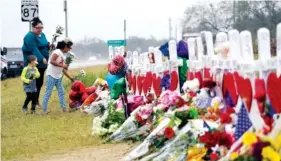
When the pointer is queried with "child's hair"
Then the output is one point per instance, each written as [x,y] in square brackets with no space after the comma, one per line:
[31,58]
[62,44]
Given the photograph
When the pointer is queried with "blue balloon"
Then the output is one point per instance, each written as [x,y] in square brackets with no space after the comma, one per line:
[111,79]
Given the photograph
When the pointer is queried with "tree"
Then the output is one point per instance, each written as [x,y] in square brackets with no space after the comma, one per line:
[214,17]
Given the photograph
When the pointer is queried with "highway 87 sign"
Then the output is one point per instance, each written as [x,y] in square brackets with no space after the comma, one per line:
[29,9]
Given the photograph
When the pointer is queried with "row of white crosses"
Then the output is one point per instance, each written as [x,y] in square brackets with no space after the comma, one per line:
[140,64]
[241,59]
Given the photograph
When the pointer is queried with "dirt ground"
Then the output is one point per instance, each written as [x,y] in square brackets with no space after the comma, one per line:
[106,152]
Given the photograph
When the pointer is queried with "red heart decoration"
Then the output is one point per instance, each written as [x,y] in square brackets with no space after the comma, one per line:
[199,77]
[140,80]
[189,75]
[274,91]
[147,82]
[244,89]
[207,74]
[174,81]
[156,85]
[260,93]
[228,85]
[134,84]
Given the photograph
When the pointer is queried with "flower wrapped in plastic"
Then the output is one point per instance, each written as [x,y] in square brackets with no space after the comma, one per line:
[176,149]
[96,108]
[109,122]
[58,33]
[165,132]
[136,126]
[70,57]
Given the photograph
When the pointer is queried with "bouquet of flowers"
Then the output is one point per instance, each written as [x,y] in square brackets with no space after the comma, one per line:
[258,147]
[175,150]
[59,32]
[165,132]
[137,126]
[109,122]
[70,57]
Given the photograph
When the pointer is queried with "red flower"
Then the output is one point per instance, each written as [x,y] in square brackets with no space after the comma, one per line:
[149,98]
[225,118]
[169,133]
[140,120]
[226,140]
[179,101]
[209,139]
[214,156]
[230,110]
[192,94]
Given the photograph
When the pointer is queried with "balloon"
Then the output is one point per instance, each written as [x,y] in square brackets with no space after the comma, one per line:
[111,79]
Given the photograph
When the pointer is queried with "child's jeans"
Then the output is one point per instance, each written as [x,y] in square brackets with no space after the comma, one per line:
[51,83]
[30,96]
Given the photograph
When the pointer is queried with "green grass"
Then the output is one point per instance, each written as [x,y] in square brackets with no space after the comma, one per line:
[33,136]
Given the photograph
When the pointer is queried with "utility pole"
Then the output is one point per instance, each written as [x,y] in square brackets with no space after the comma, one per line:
[125,30]
[170,28]
[66,23]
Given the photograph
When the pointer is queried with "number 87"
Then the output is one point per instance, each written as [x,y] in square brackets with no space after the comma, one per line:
[26,12]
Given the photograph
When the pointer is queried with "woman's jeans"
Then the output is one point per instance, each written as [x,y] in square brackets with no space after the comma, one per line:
[51,83]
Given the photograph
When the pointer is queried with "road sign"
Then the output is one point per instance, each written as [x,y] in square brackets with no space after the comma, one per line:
[29,10]
[115,43]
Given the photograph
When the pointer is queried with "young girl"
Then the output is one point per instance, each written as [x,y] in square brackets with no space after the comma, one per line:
[29,75]
[56,69]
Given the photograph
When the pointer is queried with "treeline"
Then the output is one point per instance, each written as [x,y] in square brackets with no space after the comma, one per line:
[97,47]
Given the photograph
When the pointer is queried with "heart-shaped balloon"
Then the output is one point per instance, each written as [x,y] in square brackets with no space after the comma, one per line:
[244,89]
[260,93]
[228,86]
[156,85]
[174,81]
[274,91]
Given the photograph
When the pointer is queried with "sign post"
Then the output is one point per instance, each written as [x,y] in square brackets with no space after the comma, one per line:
[29,10]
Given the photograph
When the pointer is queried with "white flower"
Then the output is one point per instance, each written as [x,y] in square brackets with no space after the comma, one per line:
[83,73]
[104,116]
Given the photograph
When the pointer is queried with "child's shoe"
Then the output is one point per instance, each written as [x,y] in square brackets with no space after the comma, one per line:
[33,112]
[24,110]
[64,110]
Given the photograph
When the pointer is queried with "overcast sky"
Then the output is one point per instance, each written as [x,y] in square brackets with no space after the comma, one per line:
[99,18]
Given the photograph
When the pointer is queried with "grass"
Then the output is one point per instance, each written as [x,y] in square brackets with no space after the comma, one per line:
[34,136]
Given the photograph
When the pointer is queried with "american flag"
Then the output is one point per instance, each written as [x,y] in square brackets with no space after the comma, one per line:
[243,122]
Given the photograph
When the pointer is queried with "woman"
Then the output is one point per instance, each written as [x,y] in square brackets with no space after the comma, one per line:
[56,69]
[35,43]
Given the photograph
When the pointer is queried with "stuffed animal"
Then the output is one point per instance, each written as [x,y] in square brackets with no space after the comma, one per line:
[191,86]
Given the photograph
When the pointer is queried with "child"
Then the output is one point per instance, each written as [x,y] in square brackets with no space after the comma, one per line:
[55,70]
[29,75]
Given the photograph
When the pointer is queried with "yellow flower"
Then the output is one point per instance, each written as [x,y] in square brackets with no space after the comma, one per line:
[275,143]
[216,106]
[234,155]
[249,138]
[278,140]
[269,153]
